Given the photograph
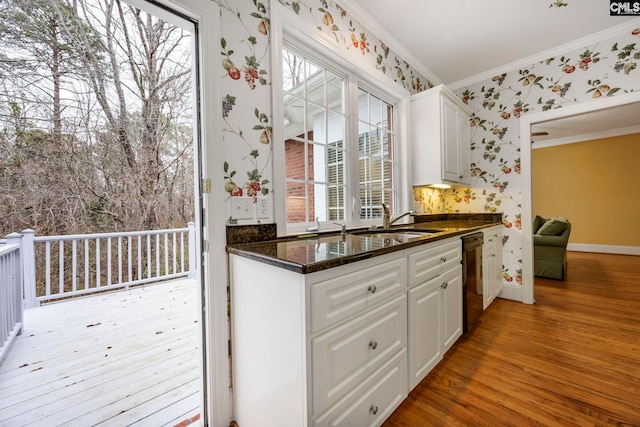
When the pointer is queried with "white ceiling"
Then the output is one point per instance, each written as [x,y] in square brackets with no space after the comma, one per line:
[457,39]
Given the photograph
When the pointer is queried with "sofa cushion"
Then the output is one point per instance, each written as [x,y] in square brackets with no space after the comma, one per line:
[538,221]
[554,227]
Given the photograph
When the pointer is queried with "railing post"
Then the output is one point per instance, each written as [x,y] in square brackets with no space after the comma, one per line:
[29,268]
[16,239]
[192,250]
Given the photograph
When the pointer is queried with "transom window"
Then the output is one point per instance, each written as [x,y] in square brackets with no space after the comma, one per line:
[339,145]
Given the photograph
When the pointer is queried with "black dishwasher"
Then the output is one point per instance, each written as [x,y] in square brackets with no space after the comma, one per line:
[472,300]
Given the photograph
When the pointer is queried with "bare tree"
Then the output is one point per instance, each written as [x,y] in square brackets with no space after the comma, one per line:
[108,86]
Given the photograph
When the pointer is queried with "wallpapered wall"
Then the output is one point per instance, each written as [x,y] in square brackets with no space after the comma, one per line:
[245,83]
[604,69]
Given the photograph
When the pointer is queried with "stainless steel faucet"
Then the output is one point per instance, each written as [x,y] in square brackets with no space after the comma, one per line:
[387,222]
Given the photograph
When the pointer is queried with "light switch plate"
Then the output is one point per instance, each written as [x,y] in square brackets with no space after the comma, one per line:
[242,207]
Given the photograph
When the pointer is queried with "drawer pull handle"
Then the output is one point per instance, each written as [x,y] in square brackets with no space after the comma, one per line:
[443,259]
[444,285]
[373,345]
[372,289]
[373,409]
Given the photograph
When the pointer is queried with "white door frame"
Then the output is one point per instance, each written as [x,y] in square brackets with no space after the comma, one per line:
[526,121]
[209,209]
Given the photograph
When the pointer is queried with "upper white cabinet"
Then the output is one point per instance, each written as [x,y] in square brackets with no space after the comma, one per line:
[441,138]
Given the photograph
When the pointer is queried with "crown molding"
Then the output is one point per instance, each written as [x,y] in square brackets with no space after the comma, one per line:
[363,17]
[544,55]
[610,133]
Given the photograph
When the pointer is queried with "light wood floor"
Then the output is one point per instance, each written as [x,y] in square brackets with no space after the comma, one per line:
[572,359]
[116,359]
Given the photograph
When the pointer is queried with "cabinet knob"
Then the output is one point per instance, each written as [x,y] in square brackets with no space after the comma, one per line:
[372,289]
[443,259]
[460,176]
[373,345]
[444,285]
[373,409]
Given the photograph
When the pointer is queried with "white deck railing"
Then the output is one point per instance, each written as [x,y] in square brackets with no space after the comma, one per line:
[10,291]
[57,267]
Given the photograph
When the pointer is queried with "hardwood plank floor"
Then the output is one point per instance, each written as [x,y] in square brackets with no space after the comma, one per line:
[572,358]
[120,358]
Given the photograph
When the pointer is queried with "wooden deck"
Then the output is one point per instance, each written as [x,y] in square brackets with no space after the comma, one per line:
[122,358]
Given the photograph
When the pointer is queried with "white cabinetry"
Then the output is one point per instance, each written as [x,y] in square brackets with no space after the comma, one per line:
[326,348]
[491,264]
[434,305]
[330,348]
[440,138]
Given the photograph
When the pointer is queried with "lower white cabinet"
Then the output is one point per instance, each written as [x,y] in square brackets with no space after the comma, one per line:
[425,329]
[492,264]
[452,303]
[325,348]
[331,348]
[373,400]
[434,313]
[348,354]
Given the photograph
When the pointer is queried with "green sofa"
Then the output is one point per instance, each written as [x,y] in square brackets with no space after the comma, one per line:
[550,239]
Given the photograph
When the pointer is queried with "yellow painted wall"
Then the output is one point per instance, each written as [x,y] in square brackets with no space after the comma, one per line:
[595,184]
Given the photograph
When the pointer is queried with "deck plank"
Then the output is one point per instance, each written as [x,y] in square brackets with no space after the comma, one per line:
[122,358]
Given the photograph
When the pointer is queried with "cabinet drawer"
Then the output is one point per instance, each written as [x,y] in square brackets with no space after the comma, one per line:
[427,263]
[355,288]
[350,353]
[373,401]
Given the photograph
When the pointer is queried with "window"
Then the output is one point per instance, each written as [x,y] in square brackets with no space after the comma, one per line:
[335,166]
[376,142]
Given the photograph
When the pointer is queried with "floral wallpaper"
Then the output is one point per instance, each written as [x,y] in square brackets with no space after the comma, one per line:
[330,18]
[246,99]
[601,70]
[245,84]
[604,69]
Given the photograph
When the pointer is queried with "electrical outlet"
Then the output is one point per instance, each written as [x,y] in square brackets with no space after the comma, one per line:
[242,207]
[264,207]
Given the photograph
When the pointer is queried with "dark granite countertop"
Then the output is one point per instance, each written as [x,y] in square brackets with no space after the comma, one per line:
[315,252]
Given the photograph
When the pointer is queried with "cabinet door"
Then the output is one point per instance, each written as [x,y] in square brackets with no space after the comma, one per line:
[492,265]
[352,289]
[488,271]
[450,144]
[464,149]
[349,353]
[424,329]
[425,264]
[451,284]
[497,263]
[373,401]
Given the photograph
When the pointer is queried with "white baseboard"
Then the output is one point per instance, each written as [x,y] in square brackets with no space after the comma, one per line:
[605,249]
